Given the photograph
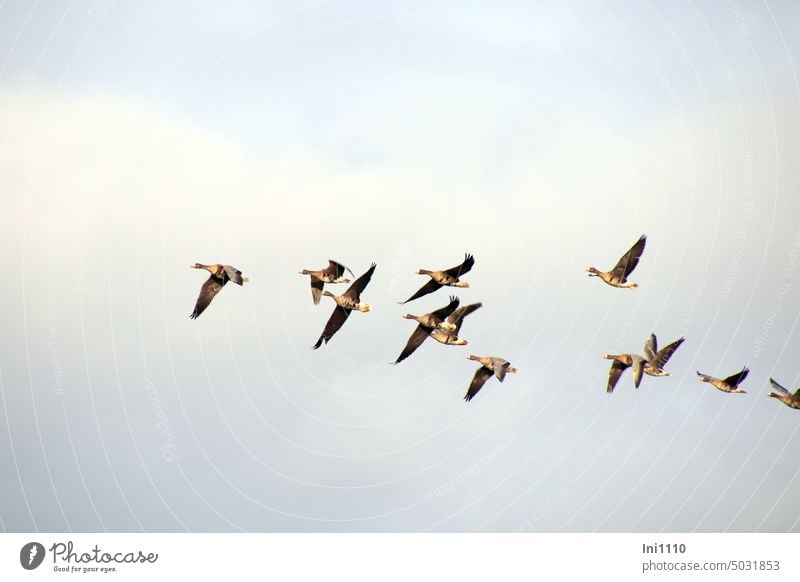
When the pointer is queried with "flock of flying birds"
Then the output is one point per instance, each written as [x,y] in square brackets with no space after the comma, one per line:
[444,324]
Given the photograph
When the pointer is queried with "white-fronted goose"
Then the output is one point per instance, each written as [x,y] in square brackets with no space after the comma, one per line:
[450,337]
[782,394]
[617,277]
[345,303]
[729,384]
[620,363]
[333,273]
[449,277]
[489,366]
[656,359]
[220,274]
[435,320]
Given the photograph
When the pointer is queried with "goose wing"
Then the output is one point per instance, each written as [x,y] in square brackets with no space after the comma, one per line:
[316,289]
[617,368]
[664,354]
[445,311]
[420,335]
[500,368]
[336,270]
[354,291]
[457,317]
[478,380]
[650,348]
[335,323]
[627,262]
[427,288]
[234,274]
[737,378]
[209,289]
[463,268]
[778,387]
[638,368]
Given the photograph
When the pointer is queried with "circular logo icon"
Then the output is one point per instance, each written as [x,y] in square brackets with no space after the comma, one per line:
[31,555]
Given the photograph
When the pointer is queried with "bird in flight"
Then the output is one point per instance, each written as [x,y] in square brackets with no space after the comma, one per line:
[347,302]
[220,275]
[729,384]
[450,336]
[618,276]
[333,273]
[620,363]
[489,366]
[782,394]
[426,324]
[448,277]
[656,359]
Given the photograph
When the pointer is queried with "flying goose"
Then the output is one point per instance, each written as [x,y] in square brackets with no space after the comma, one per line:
[333,273]
[489,366]
[345,303]
[436,320]
[729,384]
[622,362]
[449,277]
[782,394]
[617,277]
[656,359]
[220,274]
[456,318]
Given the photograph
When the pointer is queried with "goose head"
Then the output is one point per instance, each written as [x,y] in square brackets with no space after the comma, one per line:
[364,307]
[592,271]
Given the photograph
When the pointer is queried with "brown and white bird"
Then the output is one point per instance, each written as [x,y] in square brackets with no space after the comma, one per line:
[220,275]
[618,276]
[656,359]
[450,337]
[426,324]
[333,273]
[347,302]
[729,384]
[489,366]
[620,363]
[782,394]
[449,277]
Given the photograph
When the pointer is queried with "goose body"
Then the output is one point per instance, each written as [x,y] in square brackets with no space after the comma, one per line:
[620,363]
[490,366]
[456,318]
[729,384]
[219,276]
[333,273]
[436,320]
[782,394]
[656,359]
[346,303]
[448,277]
[618,276]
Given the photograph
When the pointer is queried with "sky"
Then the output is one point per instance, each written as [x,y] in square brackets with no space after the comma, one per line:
[543,137]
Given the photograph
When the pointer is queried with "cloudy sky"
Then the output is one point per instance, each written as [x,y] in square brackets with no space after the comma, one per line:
[542,137]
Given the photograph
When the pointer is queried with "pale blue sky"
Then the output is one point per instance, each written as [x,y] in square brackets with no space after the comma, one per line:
[542,137]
